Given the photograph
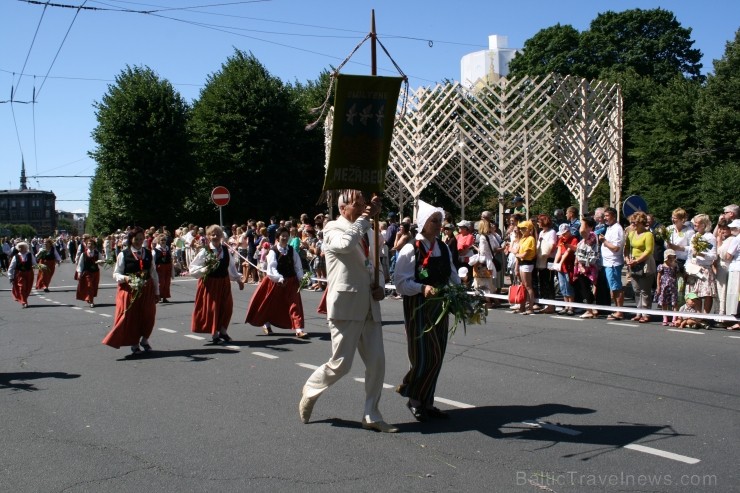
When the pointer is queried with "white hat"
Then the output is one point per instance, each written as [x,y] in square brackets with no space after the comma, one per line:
[563,228]
[425,212]
[734,224]
[464,224]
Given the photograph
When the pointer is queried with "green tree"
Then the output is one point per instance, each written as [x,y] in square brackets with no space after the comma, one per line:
[553,49]
[718,128]
[247,131]
[143,157]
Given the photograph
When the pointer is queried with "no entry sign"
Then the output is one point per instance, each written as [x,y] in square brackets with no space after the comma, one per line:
[220,196]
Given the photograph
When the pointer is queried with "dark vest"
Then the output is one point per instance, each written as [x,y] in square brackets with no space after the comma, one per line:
[23,266]
[162,257]
[90,264]
[132,266]
[439,268]
[223,265]
[285,265]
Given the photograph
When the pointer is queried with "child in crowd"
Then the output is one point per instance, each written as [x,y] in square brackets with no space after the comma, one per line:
[688,322]
[262,264]
[666,292]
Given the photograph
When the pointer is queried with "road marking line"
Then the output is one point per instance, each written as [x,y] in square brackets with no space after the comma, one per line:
[568,318]
[622,324]
[265,355]
[306,365]
[684,331]
[237,348]
[76,308]
[385,385]
[449,402]
[167,330]
[57,302]
[551,427]
[89,311]
[734,337]
[105,315]
[662,453]
[197,338]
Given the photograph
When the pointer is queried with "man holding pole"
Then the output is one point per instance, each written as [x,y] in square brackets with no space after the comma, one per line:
[353,311]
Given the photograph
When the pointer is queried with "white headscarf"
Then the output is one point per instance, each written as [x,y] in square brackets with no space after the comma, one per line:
[425,212]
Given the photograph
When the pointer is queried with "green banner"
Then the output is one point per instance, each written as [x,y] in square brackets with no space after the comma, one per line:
[364,113]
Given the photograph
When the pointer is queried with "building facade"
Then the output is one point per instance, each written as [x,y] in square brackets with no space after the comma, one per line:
[487,64]
[37,208]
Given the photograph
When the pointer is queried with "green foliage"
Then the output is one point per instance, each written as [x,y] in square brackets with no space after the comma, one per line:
[557,196]
[67,225]
[247,132]
[142,152]
[20,230]
[553,49]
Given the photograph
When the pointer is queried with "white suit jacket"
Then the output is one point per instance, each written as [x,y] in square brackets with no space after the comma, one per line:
[349,273]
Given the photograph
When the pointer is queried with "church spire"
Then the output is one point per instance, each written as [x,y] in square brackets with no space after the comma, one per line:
[23,175]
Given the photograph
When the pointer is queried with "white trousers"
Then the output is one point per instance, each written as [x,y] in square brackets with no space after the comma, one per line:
[348,336]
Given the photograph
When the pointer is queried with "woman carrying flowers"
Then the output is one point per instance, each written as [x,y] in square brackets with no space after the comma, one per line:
[702,251]
[138,293]
[47,259]
[88,272]
[213,301]
[679,236]
[20,273]
[424,266]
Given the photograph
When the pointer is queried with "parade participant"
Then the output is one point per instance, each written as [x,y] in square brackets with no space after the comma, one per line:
[424,266]
[49,257]
[136,300]
[88,273]
[213,301]
[353,311]
[163,261]
[20,273]
[277,300]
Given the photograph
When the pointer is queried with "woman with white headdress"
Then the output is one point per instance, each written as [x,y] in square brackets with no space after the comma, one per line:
[423,266]
[20,273]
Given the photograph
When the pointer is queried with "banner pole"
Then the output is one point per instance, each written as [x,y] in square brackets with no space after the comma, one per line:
[376,226]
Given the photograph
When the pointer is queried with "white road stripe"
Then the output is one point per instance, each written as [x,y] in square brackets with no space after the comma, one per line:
[734,337]
[105,315]
[662,453]
[197,338]
[265,355]
[57,302]
[551,427]
[622,324]
[89,311]
[568,318]
[76,308]
[306,365]
[684,331]
[167,330]
[449,402]
[237,348]
[385,385]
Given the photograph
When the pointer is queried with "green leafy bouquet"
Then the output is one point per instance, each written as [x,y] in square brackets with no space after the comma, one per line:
[699,245]
[466,308]
[305,281]
[136,282]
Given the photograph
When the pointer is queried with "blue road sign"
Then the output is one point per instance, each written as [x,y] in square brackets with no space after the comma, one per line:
[632,204]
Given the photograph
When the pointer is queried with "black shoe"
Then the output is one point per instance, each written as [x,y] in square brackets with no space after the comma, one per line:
[226,337]
[165,300]
[434,412]
[216,339]
[419,413]
[135,350]
[146,346]
[46,290]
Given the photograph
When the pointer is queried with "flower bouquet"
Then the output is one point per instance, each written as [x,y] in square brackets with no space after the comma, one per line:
[210,263]
[699,245]
[661,233]
[466,308]
[108,263]
[136,282]
[41,267]
[305,281]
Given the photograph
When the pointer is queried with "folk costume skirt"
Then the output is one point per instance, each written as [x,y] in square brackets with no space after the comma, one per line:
[87,286]
[277,304]
[427,343]
[22,284]
[213,305]
[133,320]
[164,271]
[43,278]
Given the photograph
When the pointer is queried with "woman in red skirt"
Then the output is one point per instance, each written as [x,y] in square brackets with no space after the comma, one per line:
[163,261]
[213,302]
[276,301]
[20,273]
[136,300]
[49,258]
[88,273]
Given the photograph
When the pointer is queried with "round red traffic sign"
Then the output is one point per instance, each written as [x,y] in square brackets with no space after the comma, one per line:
[220,196]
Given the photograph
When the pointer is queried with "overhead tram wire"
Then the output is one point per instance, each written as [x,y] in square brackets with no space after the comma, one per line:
[30,48]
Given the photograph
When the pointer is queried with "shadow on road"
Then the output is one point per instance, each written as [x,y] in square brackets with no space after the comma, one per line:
[6,379]
[194,355]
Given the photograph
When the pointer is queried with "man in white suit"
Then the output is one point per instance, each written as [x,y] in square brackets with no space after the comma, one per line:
[353,311]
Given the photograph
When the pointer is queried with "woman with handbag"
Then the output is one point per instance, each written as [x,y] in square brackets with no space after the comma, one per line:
[526,258]
[640,262]
[586,267]
[484,267]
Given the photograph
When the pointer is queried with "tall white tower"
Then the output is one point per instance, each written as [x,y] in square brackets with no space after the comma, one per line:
[490,63]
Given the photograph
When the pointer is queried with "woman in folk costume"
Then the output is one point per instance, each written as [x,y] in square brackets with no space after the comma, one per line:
[276,301]
[20,273]
[423,266]
[88,273]
[214,268]
[49,257]
[136,300]
[163,260]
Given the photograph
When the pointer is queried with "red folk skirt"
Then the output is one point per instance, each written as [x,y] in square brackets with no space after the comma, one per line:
[22,284]
[87,286]
[164,271]
[213,305]
[277,304]
[131,324]
[43,279]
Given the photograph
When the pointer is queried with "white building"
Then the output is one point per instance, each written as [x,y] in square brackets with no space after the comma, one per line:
[490,64]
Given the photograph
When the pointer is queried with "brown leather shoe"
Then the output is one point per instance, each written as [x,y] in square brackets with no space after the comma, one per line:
[380,426]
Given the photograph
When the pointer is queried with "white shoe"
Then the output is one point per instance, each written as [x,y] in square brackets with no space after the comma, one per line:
[305,407]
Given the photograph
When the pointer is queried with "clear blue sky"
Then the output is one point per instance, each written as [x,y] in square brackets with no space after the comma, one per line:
[294,39]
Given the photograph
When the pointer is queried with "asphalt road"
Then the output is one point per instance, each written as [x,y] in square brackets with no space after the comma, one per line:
[538,403]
